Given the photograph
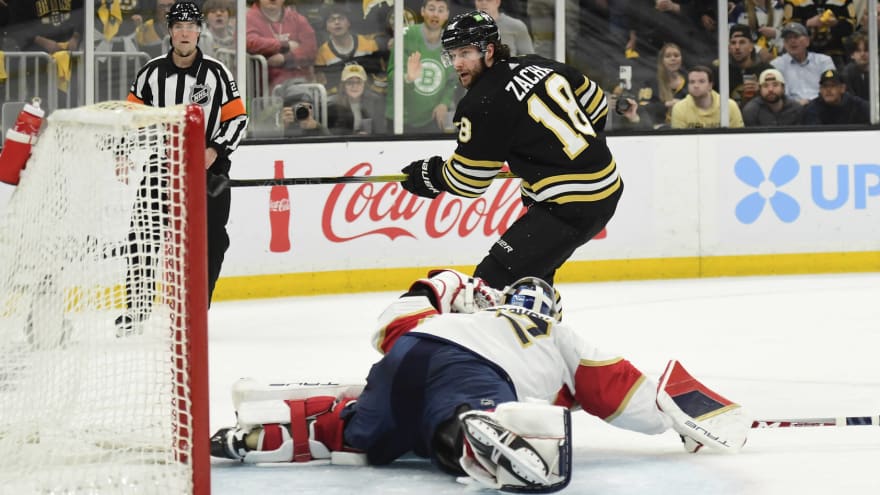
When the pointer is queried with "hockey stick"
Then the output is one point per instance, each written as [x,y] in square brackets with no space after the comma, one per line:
[813,422]
[299,181]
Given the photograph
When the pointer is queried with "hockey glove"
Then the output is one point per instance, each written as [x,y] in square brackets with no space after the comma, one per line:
[444,287]
[424,177]
[475,296]
[455,292]
[700,415]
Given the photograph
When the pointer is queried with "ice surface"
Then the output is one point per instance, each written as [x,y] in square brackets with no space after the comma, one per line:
[783,347]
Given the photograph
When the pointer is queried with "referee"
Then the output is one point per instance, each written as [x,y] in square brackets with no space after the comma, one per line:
[185,76]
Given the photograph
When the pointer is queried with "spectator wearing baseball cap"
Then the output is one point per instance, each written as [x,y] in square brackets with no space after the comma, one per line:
[827,22]
[834,106]
[772,108]
[801,67]
[764,17]
[355,109]
[745,65]
[794,28]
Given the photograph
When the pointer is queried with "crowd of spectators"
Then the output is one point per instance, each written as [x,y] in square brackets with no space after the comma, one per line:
[641,51]
[791,63]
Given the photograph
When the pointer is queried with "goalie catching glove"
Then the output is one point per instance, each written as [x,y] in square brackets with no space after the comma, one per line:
[455,292]
[424,177]
[520,447]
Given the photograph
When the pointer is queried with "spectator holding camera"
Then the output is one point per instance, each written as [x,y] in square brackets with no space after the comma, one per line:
[657,95]
[298,114]
[631,113]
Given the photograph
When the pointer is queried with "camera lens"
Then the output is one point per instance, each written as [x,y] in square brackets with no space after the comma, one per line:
[622,103]
[301,112]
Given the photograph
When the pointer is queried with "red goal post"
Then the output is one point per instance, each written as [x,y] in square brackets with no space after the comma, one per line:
[110,214]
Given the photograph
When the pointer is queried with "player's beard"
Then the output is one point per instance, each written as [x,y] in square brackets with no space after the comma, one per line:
[473,76]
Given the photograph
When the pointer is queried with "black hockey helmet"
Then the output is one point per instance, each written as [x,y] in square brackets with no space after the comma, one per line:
[533,294]
[184,12]
[475,28]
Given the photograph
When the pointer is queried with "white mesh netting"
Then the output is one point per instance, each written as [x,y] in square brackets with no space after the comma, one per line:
[94,230]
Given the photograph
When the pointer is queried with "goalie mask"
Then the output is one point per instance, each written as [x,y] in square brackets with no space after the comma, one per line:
[533,294]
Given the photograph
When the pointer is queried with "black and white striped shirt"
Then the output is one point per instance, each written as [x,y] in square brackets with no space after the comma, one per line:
[207,82]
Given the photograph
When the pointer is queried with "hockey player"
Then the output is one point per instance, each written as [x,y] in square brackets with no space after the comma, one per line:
[545,120]
[481,382]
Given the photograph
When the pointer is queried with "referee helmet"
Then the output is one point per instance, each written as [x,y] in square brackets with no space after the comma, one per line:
[184,12]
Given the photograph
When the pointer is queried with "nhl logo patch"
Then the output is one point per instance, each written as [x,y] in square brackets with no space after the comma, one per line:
[200,94]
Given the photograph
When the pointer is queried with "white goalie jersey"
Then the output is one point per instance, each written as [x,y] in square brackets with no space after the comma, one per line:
[544,359]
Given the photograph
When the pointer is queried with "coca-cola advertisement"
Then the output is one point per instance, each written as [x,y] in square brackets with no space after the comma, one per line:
[370,225]
[372,209]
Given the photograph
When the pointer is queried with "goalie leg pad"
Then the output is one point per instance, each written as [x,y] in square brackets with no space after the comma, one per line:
[294,431]
[250,390]
[700,415]
[518,447]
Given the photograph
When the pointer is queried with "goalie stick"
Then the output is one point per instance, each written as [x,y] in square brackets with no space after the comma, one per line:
[299,181]
[814,422]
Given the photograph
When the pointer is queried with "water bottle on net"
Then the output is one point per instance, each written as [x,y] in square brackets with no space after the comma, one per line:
[20,138]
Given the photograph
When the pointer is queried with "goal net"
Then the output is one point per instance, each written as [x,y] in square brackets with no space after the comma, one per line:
[108,222]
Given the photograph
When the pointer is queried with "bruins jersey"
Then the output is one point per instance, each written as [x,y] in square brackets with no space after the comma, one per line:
[543,118]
